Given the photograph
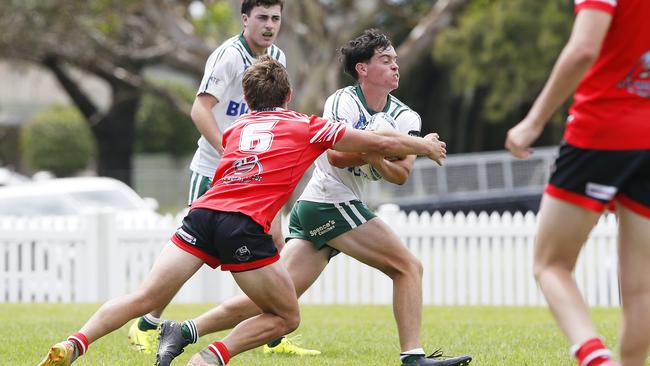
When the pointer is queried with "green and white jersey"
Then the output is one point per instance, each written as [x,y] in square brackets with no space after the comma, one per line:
[222,79]
[330,184]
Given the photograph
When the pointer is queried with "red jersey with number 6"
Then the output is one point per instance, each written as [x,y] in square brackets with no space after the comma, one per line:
[265,155]
[611,108]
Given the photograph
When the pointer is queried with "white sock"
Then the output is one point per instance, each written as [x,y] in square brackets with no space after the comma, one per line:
[413,352]
[151,320]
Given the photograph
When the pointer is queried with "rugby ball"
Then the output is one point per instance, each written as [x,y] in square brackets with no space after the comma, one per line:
[378,122]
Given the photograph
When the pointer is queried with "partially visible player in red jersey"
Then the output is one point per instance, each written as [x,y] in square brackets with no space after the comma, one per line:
[265,154]
[604,159]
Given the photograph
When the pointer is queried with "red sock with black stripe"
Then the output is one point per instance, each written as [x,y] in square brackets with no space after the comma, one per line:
[220,350]
[592,352]
[80,342]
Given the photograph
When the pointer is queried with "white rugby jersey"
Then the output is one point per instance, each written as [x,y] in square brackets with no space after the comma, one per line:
[222,79]
[330,184]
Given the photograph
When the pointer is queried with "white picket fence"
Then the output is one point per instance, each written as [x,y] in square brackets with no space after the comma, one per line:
[468,260]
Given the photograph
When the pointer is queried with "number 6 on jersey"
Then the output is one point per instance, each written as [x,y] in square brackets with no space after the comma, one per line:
[256,137]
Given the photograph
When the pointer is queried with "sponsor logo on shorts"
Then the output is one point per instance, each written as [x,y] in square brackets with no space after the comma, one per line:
[242,254]
[600,191]
[323,229]
[189,239]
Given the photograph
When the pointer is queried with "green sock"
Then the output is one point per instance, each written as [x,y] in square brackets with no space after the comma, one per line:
[144,325]
[275,342]
[189,332]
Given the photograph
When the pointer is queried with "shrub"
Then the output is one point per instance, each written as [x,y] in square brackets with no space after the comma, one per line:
[162,128]
[58,140]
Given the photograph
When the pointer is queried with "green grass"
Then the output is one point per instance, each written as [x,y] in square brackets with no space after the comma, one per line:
[347,335]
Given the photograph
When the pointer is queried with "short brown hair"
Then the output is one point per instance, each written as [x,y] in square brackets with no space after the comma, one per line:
[248,5]
[266,84]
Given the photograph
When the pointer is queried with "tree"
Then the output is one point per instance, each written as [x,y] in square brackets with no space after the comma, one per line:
[499,55]
[115,40]
[118,40]
[314,41]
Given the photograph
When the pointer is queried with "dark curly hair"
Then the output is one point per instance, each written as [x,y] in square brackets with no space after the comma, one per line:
[361,49]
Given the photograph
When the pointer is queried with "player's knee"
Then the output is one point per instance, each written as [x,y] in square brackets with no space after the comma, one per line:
[538,270]
[411,266]
[408,265]
[291,322]
[543,268]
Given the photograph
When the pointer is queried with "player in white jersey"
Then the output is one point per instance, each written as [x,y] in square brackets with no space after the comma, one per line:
[330,217]
[343,183]
[219,102]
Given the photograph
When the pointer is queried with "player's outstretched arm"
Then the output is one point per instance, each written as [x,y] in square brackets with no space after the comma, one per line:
[392,143]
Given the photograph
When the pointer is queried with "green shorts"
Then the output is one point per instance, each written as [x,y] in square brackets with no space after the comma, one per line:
[199,184]
[320,222]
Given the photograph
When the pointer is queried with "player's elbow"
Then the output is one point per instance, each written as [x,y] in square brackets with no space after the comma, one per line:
[195,113]
[400,180]
[335,160]
[584,53]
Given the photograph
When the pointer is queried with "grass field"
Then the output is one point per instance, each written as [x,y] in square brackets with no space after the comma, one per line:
[347,335]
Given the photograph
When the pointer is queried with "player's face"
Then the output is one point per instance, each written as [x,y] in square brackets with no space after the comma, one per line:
[262,27]
[382,69]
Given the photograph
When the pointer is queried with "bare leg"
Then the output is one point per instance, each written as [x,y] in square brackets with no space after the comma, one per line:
[376,245]
[278,239]
[634,260]
[170,271]
[304,264]
[271,289]
[563,229]
[157,313]
[276,232]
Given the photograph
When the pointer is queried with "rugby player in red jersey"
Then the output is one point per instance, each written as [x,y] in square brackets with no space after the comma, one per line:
[604,160]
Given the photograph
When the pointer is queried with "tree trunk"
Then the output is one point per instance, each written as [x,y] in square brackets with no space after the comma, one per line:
[115,133]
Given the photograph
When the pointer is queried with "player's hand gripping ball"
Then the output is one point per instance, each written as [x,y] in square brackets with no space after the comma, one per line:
[378,122]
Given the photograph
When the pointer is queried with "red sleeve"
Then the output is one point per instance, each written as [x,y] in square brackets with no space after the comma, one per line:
[325,133]
[608,6]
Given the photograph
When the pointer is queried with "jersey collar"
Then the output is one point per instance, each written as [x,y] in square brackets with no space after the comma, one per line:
[362,98]
[242,39]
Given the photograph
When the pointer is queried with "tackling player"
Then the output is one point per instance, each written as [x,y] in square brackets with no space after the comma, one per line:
[219,102]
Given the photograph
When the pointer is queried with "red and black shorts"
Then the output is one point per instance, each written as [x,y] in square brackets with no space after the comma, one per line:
[594,179]
[231,240]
